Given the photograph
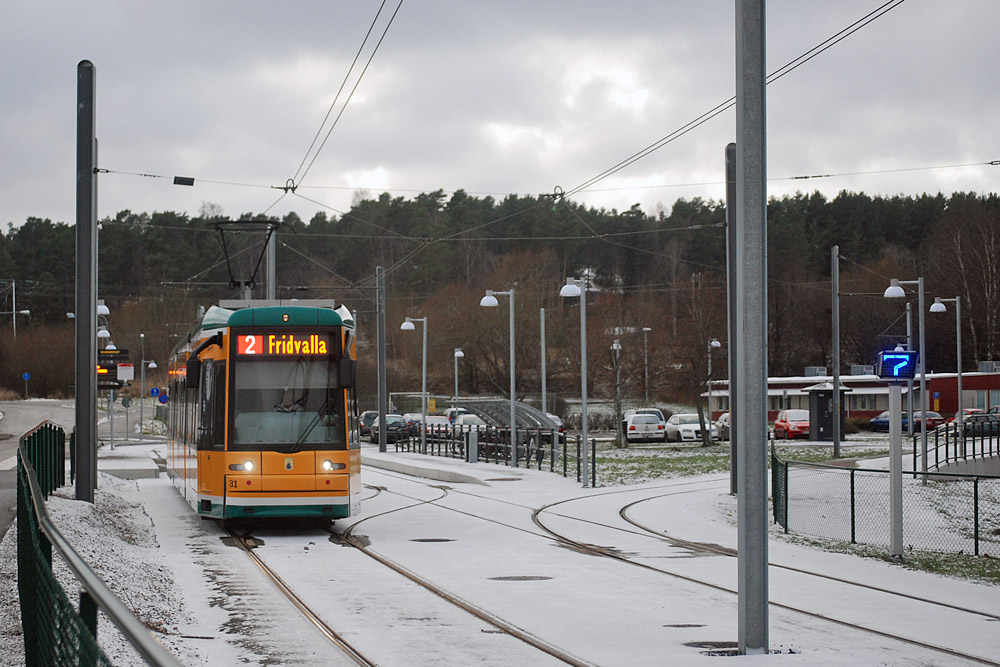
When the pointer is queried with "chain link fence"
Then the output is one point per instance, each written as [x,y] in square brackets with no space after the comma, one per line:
[942,512]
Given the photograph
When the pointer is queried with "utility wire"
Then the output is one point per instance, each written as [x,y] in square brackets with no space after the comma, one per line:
[351,94]
[731,102]
[339,91]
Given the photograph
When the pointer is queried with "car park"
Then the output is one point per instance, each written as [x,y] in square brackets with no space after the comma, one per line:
[643,427]
[687,428]
[395,429]
[792,424]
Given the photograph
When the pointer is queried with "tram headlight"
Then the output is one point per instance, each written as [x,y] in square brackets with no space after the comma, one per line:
[328,465]
[248,465]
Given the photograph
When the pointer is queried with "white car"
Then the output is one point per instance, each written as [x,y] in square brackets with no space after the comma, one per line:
[645,411]
[687,428]
[642,427]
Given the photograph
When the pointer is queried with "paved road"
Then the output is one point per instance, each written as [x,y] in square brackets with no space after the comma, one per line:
[19,417]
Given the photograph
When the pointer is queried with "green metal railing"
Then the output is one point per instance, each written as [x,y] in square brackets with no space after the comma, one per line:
[55,631]
[944,512]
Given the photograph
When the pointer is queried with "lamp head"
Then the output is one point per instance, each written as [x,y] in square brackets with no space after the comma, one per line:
[151,365]
[489,301]
[458,353]
[714,343]
[570,289]
[894,290]
[103,333]
[103,310]
[938,306]
[646,329]
[407,325]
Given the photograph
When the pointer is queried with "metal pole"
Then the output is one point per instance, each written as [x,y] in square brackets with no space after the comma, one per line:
[751,339]
[645,362]
[86,283]
[423,393]
[383,397]
[13,308]
[958,354]
[272,267]
[454,402]
[583,376]
[142,377]
[909,382]
[731,269]
[541,315]
[923,379]
[895,471]
[837,408]
[513,398]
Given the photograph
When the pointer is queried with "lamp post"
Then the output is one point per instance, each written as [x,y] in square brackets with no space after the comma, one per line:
[616,353]
[645,362]
[142,376]
[490,301]
[895,291]
[706,428]
[939,307]
[574,288]
[14,314]
[458,355]
[408,325]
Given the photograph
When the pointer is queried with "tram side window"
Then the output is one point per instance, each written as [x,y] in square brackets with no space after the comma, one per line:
[211,405]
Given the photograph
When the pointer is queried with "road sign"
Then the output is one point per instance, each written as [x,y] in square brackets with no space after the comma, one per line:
[126,402]
[164,398]
[154,391]
[126,372]
[896,365]
[27,376]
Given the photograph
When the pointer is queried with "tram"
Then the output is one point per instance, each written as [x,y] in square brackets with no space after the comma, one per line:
[261,399]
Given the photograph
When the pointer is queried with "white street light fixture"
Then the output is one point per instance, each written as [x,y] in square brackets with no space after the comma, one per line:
[408,325]
[578,288]
[490,301]
[939,307]
[895,291]
[458,355]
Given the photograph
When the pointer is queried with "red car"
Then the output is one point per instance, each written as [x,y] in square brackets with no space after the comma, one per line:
[792,424]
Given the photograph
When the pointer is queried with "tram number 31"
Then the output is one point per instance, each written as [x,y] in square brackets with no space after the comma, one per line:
[233,483]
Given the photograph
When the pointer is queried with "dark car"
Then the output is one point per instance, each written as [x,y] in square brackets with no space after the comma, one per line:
[981,423]
[881,423]
[366,419]
[395,429]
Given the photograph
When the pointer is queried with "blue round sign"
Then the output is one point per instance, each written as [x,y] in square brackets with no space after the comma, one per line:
[155,391]
[164,398]
[27,376]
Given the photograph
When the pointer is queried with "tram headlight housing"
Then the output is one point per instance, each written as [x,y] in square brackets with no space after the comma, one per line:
[246,466]
[328,465]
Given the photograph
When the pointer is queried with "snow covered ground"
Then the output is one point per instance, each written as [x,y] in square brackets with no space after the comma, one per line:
[209,604]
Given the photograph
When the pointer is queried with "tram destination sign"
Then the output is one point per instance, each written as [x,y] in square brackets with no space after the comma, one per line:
[283,344]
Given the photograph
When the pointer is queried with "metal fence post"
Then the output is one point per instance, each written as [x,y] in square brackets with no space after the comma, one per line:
[578,458]
[593,463]
[853,511]
[975,513]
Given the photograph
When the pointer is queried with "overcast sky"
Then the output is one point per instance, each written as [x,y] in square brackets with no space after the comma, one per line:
[487,96]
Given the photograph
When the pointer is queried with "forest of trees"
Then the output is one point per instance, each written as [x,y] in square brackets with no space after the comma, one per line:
[664,271]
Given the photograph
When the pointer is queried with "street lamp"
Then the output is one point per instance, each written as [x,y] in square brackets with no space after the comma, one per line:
[895,291]
[616,353]
[645,361]
[939,307]
[408,325]
[578,288]
[490,301]
[13,317]
[458,355]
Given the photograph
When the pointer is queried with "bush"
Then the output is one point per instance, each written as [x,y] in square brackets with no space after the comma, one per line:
[856,425]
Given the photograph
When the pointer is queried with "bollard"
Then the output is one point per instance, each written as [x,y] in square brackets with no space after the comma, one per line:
[473,446]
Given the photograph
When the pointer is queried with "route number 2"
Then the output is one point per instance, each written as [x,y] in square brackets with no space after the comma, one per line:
[249,344]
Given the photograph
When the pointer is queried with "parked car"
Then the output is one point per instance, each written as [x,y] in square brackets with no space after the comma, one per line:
[395,429]
[934,419]
[453,413]
[981,423]
[965,414]
[413,422]
[643,427]
[792,424]
[722,425]
[469,420]
[557,421]
[644,411]
[686,427]
[437,424]
[365,421]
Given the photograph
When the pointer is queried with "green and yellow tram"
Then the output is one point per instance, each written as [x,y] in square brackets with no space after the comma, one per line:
[261,396]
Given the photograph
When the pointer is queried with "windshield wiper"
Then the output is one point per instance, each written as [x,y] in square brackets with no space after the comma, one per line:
[312,425]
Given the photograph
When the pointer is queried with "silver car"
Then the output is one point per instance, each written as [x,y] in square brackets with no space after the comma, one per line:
[687,428]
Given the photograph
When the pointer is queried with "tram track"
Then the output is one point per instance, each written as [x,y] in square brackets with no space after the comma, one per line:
[612,553]
[243,542]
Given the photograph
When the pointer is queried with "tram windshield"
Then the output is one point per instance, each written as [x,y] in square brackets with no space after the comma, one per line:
[287,403]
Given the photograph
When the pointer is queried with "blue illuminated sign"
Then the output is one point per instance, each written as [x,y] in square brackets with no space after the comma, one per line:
[896,365]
